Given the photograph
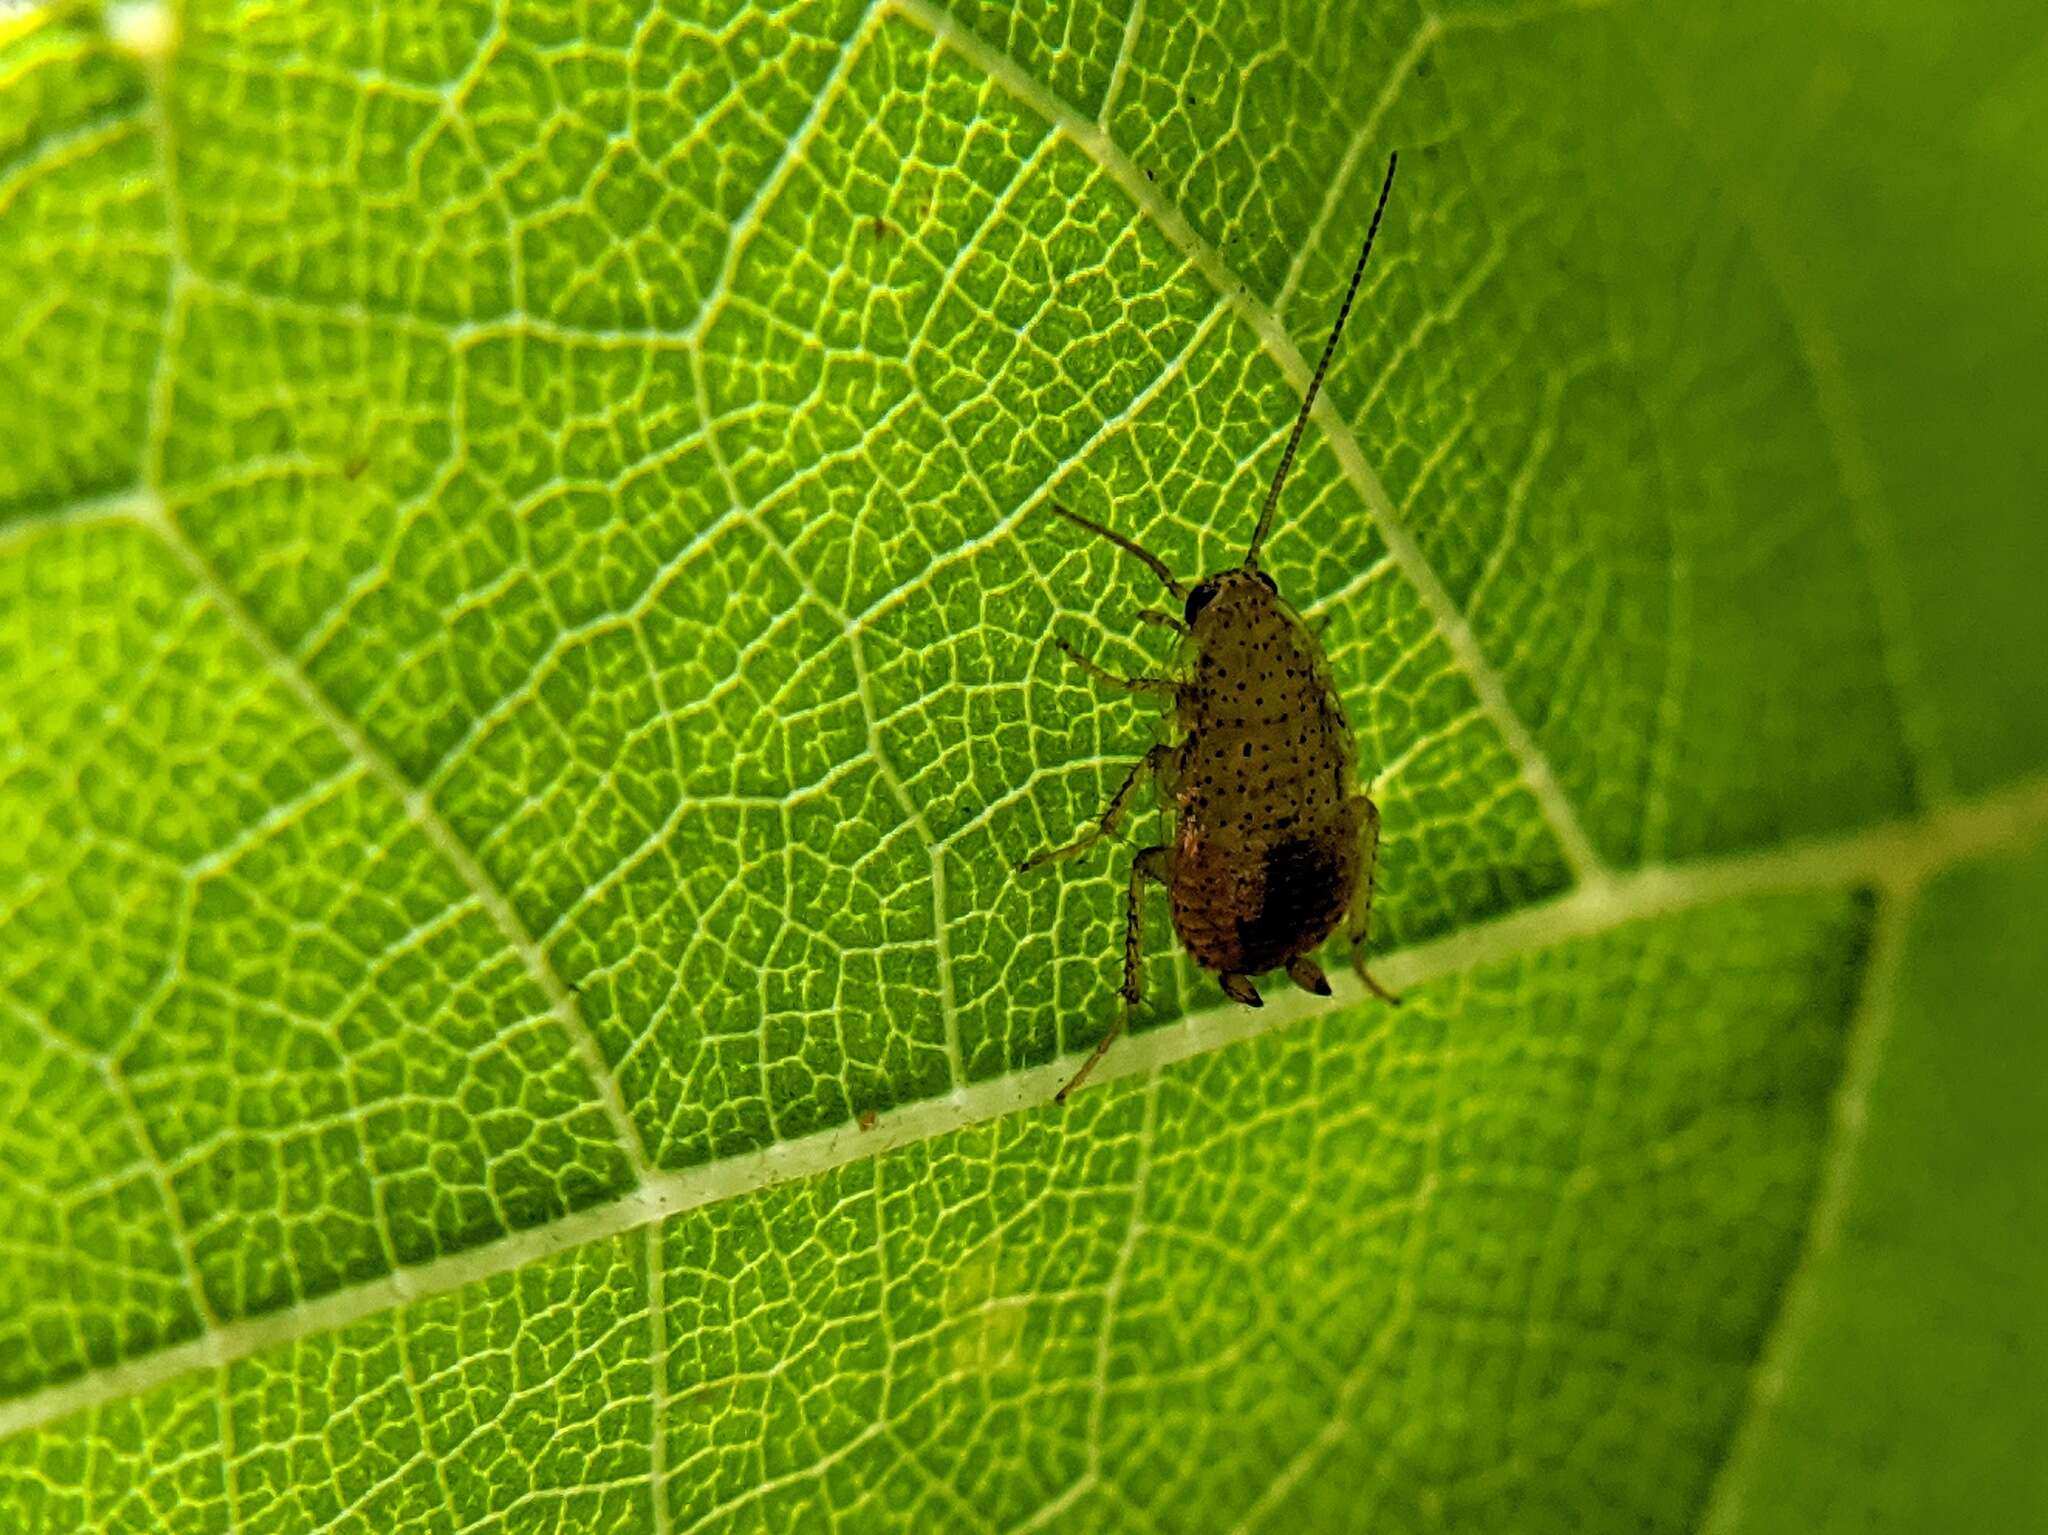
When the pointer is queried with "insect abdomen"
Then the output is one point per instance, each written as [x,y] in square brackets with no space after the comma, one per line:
[1305,892]
[1246,910]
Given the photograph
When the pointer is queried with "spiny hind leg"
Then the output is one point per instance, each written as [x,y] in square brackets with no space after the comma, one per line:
[1149,864]
[1103,675]
[1155,762]
[1361,897]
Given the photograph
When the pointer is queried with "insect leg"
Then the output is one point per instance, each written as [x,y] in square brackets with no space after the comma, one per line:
[1128,684]
[1137,551]
[1150,863]
[1361,897]
[1163,620]
[1308,975]
[1154,762]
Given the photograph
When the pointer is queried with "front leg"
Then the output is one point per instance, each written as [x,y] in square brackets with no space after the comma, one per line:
[1104,675]
[1361,895]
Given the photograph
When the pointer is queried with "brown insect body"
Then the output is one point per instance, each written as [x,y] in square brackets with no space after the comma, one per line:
[1264,860]
[1273,843]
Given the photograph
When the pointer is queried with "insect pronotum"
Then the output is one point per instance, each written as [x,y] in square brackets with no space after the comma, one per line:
[1272,841]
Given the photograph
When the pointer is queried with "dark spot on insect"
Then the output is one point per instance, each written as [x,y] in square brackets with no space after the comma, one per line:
[1301,882]
[1272,842]
[868,1119]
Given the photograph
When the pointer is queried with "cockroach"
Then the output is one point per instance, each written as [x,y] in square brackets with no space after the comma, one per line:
[1272,841]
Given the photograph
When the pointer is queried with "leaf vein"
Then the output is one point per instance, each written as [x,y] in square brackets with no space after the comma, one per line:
[1534,764]
[420,810]
[1898,855]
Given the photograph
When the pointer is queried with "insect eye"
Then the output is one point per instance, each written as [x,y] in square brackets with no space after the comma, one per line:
[1267,581]
[1200,598]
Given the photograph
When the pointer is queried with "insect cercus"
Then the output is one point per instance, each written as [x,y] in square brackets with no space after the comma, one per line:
[1273,842]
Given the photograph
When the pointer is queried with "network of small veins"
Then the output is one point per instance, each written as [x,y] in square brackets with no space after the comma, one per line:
[852,627]
[850,623]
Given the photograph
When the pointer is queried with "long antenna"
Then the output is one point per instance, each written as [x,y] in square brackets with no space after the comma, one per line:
[1157,565]
[1315,384]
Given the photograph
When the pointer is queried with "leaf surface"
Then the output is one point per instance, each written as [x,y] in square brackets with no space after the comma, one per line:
[526,622]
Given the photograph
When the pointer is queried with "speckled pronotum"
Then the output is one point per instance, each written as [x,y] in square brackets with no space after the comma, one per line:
[1272,841]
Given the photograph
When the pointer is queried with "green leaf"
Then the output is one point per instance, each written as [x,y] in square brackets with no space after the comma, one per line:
[1932,1270]
[526,665]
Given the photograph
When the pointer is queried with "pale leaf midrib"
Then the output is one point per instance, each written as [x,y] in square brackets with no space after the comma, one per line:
[1896,856]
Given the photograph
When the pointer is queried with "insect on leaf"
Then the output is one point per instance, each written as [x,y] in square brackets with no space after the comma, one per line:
[527,663]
